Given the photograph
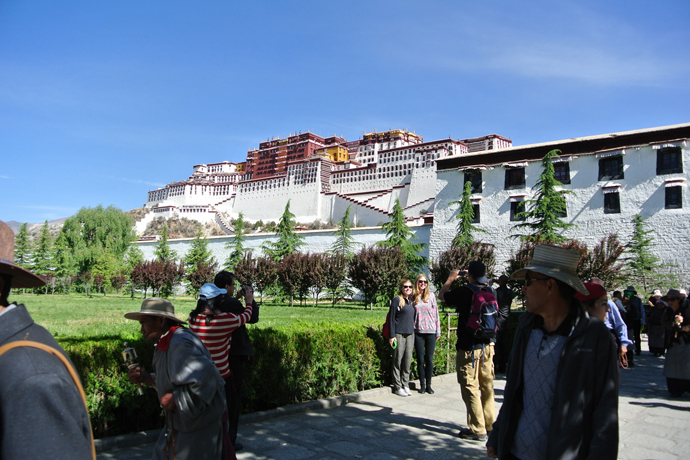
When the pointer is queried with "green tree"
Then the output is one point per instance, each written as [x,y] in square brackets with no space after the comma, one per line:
[133,256]
[93,231]
[543,218]
[43,255]
[465,216]
[344,242]
[23,247]
[236,245]
[198,254]
[163,251]
[458,258]
[399,235]
[642,265]
[377,271]
[63,260]
[288,241]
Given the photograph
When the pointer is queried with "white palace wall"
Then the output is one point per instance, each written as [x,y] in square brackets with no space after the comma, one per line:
[641,191]
[316,241]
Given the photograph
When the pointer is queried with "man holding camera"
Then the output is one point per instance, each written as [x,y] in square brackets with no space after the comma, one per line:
[240,347]
[474,358]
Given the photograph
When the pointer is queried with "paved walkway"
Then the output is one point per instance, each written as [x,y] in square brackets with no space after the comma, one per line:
[376,424]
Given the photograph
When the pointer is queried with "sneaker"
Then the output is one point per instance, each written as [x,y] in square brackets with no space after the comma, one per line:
[407,390]
[470,435]
[401,392]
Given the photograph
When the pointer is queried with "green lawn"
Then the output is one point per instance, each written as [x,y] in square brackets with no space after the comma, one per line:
[77,315]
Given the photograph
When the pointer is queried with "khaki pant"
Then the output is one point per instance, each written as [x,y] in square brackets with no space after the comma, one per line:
[477,385]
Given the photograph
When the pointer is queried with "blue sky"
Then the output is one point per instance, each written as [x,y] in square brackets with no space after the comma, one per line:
[102,101]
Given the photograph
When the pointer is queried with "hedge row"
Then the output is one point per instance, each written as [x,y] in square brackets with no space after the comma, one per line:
[290,366]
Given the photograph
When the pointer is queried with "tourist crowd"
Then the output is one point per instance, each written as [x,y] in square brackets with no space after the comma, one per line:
[562,375]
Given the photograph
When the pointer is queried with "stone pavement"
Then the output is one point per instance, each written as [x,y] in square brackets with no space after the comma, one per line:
[376,424]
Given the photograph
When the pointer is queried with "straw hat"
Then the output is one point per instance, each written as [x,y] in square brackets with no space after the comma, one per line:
[155,306]
[20,278]
[554,262]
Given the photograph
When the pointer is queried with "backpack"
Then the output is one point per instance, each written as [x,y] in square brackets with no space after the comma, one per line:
[482,323]
[386,331]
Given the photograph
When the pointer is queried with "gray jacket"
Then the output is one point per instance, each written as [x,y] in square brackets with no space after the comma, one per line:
[42,414]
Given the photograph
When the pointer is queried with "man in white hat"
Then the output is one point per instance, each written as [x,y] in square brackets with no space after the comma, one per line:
[188,383]
[561,394]
[42,414]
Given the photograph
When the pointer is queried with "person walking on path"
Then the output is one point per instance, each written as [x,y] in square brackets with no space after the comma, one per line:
[427,330]
[42,413]
[561,394]
[635,319]
[240,347]
[676,321]
[474,357]
[656,333]
[504,297]
[188,384]
[401,327]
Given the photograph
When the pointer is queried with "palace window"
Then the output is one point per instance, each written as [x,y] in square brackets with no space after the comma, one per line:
[612,202]
[669,161]
[562,172]
[674,197]
[474,177]
[517,207]
[515,178]
[611,168]
[475,208]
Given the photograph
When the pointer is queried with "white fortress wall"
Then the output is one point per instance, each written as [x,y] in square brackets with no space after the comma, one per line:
[316,241]
[641,191]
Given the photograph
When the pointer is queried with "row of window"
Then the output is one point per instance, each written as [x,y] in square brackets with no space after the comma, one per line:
[668,161]
[612,204]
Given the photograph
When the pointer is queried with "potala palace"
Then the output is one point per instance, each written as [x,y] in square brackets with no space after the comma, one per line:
[613,177]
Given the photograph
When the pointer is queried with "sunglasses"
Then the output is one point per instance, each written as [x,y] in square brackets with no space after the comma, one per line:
[529,281]
[422,282]
[407,286]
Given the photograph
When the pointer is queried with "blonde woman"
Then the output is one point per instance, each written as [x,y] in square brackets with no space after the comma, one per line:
[427,330]
[401,331]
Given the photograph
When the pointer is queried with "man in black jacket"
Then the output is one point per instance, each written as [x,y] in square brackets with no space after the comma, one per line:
[240,349]
[561,394]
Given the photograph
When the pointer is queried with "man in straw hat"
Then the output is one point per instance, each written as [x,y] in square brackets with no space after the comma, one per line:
[561,394]
[188,383]
[42,414]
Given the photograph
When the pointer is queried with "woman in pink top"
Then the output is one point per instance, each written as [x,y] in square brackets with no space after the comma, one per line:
[427,330]
[215,328]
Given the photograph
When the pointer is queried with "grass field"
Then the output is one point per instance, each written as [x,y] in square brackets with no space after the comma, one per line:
[81,316]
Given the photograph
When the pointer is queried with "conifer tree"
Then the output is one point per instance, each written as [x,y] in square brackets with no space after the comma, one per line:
[464,235]
[543,219]
[344,242]
[43,256]
[399,235]
[236,246]
[199,253]
[289,240]
[63,260]
[163,251]
[23,247]
[642,265]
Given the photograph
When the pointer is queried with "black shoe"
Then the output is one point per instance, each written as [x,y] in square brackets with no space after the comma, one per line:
[631,364]
[238,446]
[470,435]
[421,390]
[429,390]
